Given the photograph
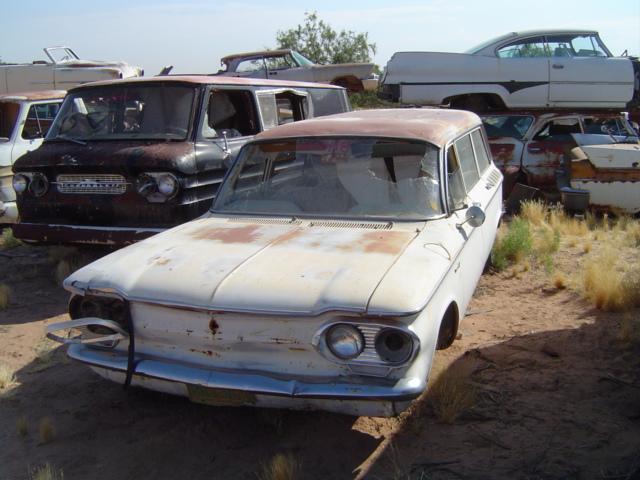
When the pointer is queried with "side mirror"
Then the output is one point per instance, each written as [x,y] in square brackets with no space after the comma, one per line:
[475,217]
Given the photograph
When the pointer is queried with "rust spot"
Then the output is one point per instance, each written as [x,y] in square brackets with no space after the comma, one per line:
[281,341]
[213,326]
[584,169]
[209,353]
[246,234]
[390,243]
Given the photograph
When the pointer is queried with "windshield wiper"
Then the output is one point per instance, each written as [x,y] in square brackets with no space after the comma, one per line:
[70,139]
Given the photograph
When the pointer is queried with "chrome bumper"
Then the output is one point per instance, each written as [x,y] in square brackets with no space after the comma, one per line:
[368,399]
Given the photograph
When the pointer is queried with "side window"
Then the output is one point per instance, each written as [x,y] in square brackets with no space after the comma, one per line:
[290,107]
[467,159]
[327,101]
[455,190]
[39,119]
[527,48]
[248,66]
[279,63]
[481,151]
[230,112]
[560,129]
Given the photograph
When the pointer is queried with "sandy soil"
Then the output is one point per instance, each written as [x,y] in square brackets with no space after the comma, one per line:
[557,397]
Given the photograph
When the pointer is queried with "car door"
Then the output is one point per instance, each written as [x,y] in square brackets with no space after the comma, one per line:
[545,147]
[523,70]
[464,190]
[582,75]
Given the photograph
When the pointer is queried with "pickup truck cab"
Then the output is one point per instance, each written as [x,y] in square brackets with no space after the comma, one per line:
[126,159]
[24,121]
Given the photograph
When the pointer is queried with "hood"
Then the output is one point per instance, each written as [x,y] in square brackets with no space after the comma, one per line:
[134,154]
[238,265]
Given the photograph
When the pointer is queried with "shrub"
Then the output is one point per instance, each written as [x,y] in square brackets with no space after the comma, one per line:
[512,246]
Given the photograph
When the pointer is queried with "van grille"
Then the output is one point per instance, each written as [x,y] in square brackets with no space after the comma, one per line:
[95,184]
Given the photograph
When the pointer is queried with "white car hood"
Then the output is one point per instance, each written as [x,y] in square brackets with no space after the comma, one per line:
[238,265]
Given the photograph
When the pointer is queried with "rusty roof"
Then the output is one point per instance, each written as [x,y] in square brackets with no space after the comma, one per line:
[33,96]
[205,80]
[436,126]
[258,53]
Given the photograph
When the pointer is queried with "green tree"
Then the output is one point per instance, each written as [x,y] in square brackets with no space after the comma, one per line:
[316,40]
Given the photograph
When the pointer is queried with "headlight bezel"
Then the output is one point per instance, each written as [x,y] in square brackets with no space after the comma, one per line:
[148,185]
[38,180]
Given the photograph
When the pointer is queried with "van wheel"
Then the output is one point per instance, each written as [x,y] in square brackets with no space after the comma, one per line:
[448,328]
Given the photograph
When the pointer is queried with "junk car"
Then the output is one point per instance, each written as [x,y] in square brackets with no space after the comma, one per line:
[25,119]
[291,65]
[338,255]
[62,71]
[534,69]
[126,159]
[528,146]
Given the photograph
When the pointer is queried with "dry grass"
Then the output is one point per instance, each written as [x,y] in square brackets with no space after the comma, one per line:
[46,431]
[5,294]
[559,280]
[587,246]
[281,467]
[46,472]
[534,212]
[67,260]
[7,377]
[630,330]
[8,241]
[451,394]
[22,426]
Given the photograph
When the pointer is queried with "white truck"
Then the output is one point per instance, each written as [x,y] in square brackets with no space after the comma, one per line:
[534,69]
[63,71]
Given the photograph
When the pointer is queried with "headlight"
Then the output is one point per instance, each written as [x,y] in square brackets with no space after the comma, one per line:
[20,183]
[345,341]
[167,185]
[146,185]
[100,307]
[38,185]
[393,346]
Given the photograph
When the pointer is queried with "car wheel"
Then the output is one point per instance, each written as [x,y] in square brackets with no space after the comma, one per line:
[448,328]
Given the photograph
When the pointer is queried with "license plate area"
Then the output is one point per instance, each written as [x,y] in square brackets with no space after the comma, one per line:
[220,397]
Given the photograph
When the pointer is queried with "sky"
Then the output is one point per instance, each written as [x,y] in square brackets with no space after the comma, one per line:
[193,35]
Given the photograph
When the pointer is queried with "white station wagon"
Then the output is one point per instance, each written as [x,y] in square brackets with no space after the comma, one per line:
[533,69]
[338,255]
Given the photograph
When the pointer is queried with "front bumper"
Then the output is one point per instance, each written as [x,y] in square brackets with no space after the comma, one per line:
[249,388]
[81,234]
[8,212]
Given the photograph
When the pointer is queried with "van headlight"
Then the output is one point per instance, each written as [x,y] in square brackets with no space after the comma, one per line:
[20,183]
[345,341]
[157,187]
[38,185]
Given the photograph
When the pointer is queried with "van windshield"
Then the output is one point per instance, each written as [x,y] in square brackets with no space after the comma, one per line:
[119,112]
[335,177]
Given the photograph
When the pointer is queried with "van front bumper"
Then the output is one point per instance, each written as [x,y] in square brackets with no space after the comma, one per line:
[81,234]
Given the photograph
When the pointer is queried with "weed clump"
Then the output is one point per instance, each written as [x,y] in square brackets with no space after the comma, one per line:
[46,472]
[22,426]
[5,294]
[281,467]
[46,430]
[608,285]
[7,377]
[513,246]
[451,395]
[8,241]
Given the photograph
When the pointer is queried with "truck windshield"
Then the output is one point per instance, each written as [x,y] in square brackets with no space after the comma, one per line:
[119,112]
[335,177]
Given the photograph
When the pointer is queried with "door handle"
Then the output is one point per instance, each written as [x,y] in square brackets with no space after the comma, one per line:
[558,66]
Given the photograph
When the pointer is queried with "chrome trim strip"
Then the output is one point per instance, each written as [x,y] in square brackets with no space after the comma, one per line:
[247,381]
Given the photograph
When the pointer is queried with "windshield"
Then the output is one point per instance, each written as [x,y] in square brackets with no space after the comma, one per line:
[60,54]
[301,59]
[335,177]
[120,112]
[514,126]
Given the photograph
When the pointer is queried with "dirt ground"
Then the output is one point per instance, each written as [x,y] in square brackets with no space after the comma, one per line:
[556,396]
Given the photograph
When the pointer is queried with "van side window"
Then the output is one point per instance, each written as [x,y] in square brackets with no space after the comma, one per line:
[39,119]
[290,107]
[230,112]
[455,189]
[467,159]
[481,150]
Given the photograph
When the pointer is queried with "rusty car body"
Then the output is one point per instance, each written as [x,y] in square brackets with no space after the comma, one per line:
[25,119]
[338,255]
[126,159]
[63,70]
[565,68]
[602,177]
[287,64]
[528,146]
